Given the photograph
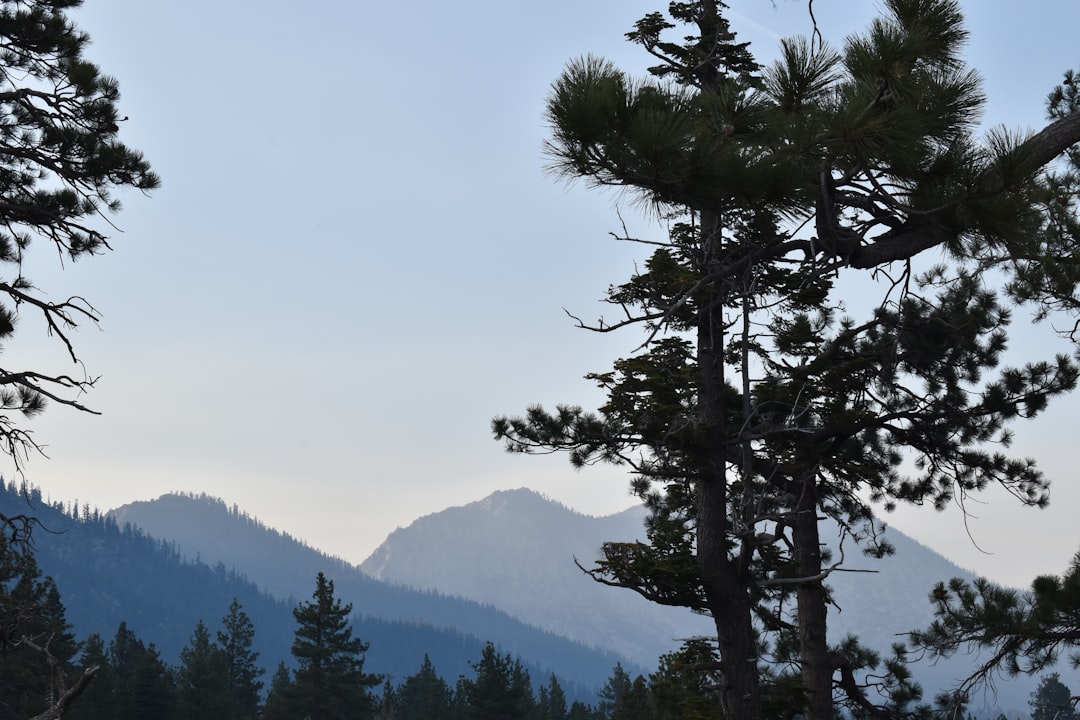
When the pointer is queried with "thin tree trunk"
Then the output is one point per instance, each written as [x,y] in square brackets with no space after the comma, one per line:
[812,606]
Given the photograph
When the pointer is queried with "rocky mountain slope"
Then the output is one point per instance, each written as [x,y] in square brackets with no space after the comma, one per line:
[516,550]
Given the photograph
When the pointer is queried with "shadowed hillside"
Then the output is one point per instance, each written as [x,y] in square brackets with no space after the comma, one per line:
[109,572]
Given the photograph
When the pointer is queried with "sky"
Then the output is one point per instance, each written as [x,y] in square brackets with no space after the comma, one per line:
[356,259]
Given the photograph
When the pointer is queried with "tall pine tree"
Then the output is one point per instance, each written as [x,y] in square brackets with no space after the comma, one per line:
[202,678]
[329,682]
[241,664]
[1053,700]
[763,399]
[61,161]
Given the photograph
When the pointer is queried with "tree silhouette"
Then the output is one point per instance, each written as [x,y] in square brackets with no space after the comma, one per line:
[765,396]
[1052,700]
[329,682]
[241,664]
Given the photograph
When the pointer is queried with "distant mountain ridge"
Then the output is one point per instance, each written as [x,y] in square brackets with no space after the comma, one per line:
[204,529]
[109,572]
[446,549]
[515,551]
[521,548]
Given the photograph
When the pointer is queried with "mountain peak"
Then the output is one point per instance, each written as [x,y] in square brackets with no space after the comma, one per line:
[517,550]
[499,500]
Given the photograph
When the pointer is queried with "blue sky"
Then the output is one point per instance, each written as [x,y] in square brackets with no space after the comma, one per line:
[356,259]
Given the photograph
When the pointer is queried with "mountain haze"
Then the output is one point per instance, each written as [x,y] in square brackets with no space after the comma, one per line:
[108,575]
[516,549]
[204,529]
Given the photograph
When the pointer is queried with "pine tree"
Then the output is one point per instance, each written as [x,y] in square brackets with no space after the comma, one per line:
[278,696]
[131,681]
[329,682]
[142,687]
[581,711]
[34,634]
[624,698]
[681,690]
[551,702]
[500,690]
[423,696]
[96,701]
[60,163]
[1052,700]
[241,664]
[615,694]
[386,706]
[202,678]
[755,406]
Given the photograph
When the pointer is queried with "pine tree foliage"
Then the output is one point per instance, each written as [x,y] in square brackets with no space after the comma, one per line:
[423,696]
[242,671]
[94,701]
[202,679]
[138,683]
[1053,700]
[36,642]
[686,684]
[763,397]
[1017,632]
[277,696]
[60,164]
[500,688]
[329,682]
[551,701]
[624,697]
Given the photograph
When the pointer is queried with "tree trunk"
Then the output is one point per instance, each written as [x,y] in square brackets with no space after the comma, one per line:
[730,606]
[812,606]
[724,577]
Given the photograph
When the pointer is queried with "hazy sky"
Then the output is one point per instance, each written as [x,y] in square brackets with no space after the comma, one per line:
[356,259]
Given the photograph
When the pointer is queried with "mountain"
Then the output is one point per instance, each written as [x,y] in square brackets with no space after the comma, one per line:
[204,529]
[515,551]
[532,576]
[107,573]
[519,550]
